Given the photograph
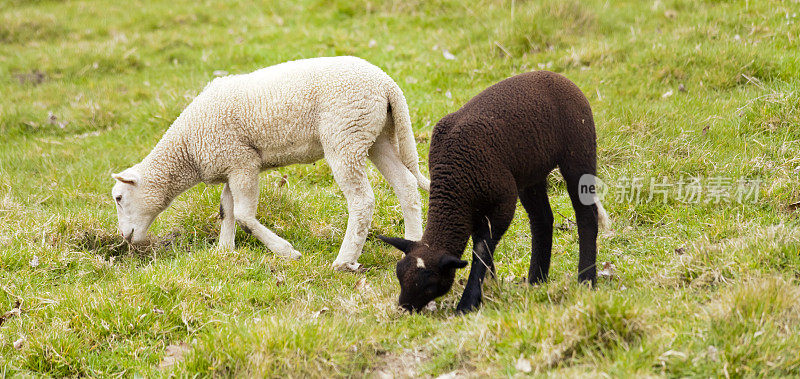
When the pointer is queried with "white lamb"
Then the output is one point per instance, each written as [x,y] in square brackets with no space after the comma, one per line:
[341,108]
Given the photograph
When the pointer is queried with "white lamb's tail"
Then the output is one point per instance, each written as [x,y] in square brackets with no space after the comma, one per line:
[405,135]
[602,216]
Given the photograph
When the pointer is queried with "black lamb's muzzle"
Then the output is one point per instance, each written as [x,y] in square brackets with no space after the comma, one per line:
[411,305]
[412,308]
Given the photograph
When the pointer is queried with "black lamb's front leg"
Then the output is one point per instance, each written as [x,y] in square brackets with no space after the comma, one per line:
[484,240]
[482,260]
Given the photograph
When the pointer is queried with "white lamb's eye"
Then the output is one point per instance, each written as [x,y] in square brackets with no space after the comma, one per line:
[118,198]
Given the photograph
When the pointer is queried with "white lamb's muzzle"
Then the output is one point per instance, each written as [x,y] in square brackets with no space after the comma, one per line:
[127,232]
[135,233]
[139,236]
[127,237]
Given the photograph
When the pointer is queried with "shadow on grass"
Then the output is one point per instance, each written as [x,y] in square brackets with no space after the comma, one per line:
[108,245]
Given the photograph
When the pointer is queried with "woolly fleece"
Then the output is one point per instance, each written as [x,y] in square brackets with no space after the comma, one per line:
[500,146]
[341,108]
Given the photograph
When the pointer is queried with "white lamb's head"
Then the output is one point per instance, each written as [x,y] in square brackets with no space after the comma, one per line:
[137,205]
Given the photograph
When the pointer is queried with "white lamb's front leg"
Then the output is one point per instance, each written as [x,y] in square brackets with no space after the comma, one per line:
[227,231]
[244,190]
[360,204]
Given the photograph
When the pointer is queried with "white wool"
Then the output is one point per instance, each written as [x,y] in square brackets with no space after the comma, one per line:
[420,263]
[294,112]
[602,216]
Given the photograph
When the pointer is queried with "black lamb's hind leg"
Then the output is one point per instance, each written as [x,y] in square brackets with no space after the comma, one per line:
[586,218]
[536,203]
[485,238]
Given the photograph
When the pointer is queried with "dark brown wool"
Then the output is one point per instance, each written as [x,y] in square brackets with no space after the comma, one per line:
[499,146]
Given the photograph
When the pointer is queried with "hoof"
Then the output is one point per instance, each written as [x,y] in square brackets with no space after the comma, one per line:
[468,305]
[347,266]
[226,246]
[289,253]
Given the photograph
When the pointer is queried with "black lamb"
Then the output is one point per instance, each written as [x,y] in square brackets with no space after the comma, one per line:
[501,145]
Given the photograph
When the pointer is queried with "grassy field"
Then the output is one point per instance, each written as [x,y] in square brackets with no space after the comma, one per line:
[680,90]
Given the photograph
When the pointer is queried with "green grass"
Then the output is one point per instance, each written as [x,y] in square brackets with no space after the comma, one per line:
[701,289]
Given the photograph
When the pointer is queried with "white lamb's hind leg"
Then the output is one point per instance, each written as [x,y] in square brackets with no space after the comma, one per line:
[244,188]
[360,203]
[227,230]
[386,158]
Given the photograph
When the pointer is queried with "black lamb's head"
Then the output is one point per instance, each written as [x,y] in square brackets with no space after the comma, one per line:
[424,273]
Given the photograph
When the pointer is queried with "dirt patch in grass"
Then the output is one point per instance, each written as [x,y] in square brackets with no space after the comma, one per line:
[34,77]
[112,245]
[405,364]
[174,354]
[15,311]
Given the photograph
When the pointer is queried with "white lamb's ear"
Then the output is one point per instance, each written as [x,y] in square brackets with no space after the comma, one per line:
[127,177]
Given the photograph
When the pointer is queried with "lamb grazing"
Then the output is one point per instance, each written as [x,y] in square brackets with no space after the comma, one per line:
[501,145]
[341,108]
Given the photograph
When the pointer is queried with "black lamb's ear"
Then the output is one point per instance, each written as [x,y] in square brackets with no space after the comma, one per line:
[449,261]
[401,244]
